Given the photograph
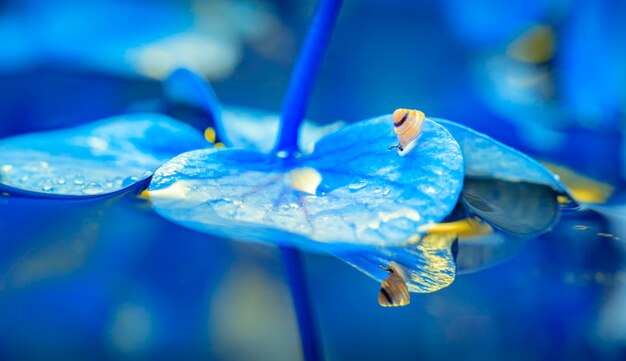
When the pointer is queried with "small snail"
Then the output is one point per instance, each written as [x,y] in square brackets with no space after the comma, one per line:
[393,291]
[407,123]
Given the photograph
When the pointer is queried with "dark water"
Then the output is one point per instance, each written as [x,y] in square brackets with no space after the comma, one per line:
[109,279]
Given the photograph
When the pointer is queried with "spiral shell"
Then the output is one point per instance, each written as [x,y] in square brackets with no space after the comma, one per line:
[393,291]
[407,123]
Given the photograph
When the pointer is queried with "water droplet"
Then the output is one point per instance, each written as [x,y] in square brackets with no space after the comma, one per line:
[386,191]
[79,179]
[24,179]
[109,184]
[61,181]
[97,144]
[294,205]
[357,186]
[92,188]
[282,154]
[129,181]
[47,185]
[305,179]
[43,164]
[6,168]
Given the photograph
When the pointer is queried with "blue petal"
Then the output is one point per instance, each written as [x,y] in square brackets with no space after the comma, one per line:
[258,129]
[95,159]
[184,86]
[487,158]
[236,127]
[503,216]
[368,195]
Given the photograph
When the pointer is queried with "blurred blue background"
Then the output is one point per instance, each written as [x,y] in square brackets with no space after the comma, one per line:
[109,279]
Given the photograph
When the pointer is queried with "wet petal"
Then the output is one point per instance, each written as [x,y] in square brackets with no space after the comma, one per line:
[190,91]
[487,158]
[95,159]
[257,129]
[365,194]
[502,217]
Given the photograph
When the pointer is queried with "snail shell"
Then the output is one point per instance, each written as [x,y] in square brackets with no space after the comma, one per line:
[393,291]
[407,123]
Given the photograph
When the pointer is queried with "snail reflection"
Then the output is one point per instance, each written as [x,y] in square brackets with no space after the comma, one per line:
[491,222]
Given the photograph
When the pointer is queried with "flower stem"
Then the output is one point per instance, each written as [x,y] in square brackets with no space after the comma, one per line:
[304,74]
[292,262]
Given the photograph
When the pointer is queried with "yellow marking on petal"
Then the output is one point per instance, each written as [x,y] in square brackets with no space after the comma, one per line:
[210,135]
[219,145]
[305,179]
[145,195]
[466,228]
[563,199]
[583,188]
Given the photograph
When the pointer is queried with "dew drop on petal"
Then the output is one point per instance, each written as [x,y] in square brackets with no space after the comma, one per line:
[305,179]
[128,181]
[357,186]
[92,188]
[47,185]
[79,179]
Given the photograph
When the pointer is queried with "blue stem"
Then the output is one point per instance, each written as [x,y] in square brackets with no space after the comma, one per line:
[297,284]
[293,111]
[304,74]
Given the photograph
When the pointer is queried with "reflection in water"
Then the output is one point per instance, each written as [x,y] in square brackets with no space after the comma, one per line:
[393,291]
[521,209]
[517,212]
[491,222]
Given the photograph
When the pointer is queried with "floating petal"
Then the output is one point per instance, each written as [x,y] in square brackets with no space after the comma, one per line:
[503,216]
[487,158]
[367,195]
[258,130]
[95,159]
